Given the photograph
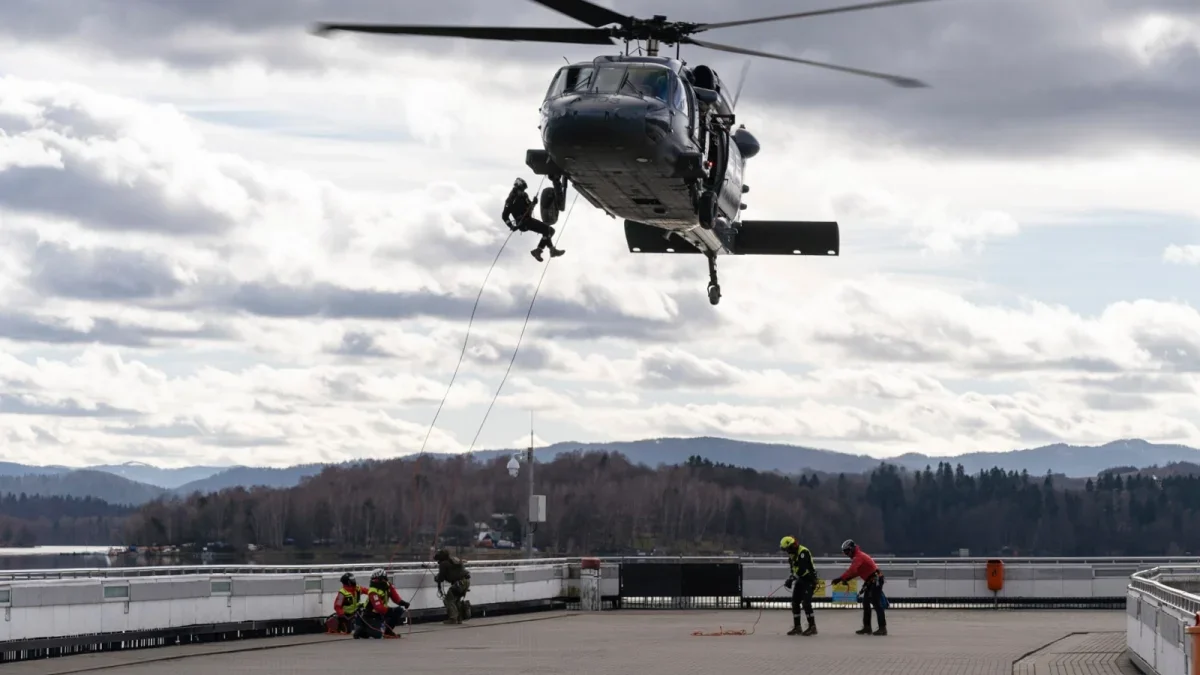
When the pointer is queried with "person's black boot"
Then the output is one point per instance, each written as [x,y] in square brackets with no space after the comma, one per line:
[865,630]
[797,629]
[882,631]
[537,254]
[812,627]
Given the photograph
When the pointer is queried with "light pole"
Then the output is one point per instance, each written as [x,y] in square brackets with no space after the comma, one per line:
[536,504]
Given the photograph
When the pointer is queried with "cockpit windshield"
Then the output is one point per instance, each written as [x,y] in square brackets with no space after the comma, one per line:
[636,79]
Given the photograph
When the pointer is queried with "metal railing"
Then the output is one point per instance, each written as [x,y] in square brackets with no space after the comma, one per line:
[218,569]
[1151,583]
[165,570]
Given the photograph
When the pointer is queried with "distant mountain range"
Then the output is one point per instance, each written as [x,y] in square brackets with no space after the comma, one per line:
[137,483]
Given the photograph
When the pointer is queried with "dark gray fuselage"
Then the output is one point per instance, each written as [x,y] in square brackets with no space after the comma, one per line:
[619,138]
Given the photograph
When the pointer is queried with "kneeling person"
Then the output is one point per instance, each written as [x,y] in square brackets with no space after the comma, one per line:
[378,617]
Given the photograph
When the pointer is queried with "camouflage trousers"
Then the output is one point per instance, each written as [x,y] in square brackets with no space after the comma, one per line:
[457,607]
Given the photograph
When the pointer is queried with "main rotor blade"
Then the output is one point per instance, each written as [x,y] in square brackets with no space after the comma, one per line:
[587,12]
[800,15]
[579,36]
[897,80]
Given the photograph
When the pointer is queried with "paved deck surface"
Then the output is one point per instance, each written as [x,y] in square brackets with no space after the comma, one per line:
[630,642]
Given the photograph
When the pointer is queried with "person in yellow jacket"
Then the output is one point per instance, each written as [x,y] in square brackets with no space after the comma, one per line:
[346,604]
[802,582]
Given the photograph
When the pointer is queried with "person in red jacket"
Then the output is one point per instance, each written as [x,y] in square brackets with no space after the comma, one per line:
[346,605]
[378,619]
[871,594]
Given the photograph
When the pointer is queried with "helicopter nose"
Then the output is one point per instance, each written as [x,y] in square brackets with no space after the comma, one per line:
[610,122]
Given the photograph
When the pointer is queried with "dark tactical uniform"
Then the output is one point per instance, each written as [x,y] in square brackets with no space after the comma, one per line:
[518,215]
[453,571]
[803,582]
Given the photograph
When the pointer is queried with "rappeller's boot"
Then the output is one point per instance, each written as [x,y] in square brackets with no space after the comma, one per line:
[537,254]
[555,252]
[812,627]
[881,631]
[865,630]
[796,627]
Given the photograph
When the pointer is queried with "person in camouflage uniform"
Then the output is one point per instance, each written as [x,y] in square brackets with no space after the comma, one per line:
[453,571]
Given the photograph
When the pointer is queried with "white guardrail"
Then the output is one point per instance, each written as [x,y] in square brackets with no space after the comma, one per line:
[1163,603]
[68,609]
[65,603]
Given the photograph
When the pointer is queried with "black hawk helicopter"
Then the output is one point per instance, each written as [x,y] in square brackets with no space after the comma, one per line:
[651,140]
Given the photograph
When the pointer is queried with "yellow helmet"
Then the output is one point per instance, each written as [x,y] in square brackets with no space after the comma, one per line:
[786,543]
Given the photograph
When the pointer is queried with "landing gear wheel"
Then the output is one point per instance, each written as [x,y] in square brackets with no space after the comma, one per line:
[548,203]
[714,294]
[706,209]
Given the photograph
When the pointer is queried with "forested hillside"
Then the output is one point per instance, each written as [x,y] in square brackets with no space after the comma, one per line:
[600,502]
[28,520]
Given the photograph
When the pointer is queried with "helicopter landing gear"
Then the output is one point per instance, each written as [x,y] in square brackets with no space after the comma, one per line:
[548,203]
[706,209]
[714,289]
[553,199]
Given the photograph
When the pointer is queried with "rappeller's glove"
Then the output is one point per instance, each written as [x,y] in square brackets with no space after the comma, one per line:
[790,581]
[405,604]
[441,593]
[835,582]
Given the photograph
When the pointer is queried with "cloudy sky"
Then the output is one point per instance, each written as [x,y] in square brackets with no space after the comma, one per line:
[226,240]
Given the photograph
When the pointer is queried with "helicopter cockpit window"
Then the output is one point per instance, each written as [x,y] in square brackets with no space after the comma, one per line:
[651,81]
[580,79]
[558,84]
[648,80]
[569,80]
[679,97]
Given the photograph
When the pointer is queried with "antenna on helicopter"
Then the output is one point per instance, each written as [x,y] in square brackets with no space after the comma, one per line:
[741,83]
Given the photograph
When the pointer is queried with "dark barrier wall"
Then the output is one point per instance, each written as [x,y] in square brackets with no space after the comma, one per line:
[723,580]
[651,580]
[674,580]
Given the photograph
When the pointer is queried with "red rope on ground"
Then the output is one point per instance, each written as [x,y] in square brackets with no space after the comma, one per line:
[721,632]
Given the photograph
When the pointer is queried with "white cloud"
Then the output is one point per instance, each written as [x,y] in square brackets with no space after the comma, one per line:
[1182,255]
[279,267]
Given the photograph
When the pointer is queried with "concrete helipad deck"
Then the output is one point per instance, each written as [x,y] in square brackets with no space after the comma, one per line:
[628,642]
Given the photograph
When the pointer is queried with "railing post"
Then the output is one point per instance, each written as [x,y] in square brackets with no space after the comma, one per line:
[1193,632]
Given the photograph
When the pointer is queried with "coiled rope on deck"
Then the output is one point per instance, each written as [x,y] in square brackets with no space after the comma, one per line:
[721,632]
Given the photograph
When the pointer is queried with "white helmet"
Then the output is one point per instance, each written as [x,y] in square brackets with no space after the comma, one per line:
[378,574]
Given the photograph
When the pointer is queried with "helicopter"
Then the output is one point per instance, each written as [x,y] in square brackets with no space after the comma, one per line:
[650,139]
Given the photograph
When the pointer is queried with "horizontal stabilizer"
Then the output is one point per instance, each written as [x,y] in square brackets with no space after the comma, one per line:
[787,237]
[644,238]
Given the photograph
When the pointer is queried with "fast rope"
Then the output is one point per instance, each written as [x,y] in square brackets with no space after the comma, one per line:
[467,337]
[566,222]
[420,503]
[444,507]
[721,632]
[511,361]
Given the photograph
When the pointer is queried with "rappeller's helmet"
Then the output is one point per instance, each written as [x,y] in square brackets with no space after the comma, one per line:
[520,184]
[786,543]
[443,554]
[348,579]
[849,547]
[379,576]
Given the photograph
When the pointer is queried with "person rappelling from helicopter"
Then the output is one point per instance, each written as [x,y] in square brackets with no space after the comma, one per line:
[518,215]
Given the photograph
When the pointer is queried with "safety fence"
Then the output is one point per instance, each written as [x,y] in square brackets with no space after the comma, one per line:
[1163,605]
[59,612]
